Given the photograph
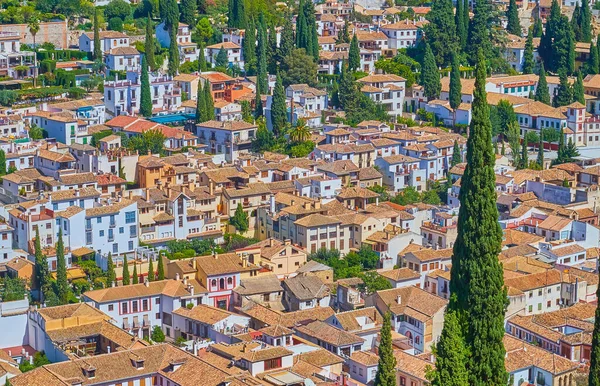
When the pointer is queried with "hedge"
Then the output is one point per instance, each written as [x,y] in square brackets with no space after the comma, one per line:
[62,55]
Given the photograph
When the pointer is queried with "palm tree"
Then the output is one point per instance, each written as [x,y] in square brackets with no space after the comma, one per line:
[34,28]
[300,132]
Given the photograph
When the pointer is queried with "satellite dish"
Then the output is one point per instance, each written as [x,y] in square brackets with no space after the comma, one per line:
[308,382]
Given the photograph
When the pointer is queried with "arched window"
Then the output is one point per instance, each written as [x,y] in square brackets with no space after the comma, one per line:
[229,281]
[222,283]
[417,339]
[213,283]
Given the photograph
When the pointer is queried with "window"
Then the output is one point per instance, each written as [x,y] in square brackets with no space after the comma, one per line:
[124,309]
[129,217]
[145,305]
[134,306]
[121,230]
[157,301]
[101,233]
[115,248]
[99,220]
[111,307]
[130,245]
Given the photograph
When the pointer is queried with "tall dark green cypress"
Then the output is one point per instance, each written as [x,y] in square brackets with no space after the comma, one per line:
[161,269]
[480,35]
[151,270]
[586,22]
[538,28]
[512,14]
[459,20]
[262,80]
[524,155]
[542,93]
[430,75]
[126,277]
[236,14]
[188,12]
[306,29]
[62,284]
[249,48]
[135,279]
[540,154]
[209,104]
[439,34]
[451,355]
[97,46]
[286,42]
[111,277]
[575,20]
[354,55]
[386,367]
[456,155]
[528,61]
[594,377]
[146,96]
[593,63]
[466,19]
[272,56]
[149,44]
[564,93]
[455,97]
[578,90]
[201,103]
[278,107]
[477,281]
[301,27]
[173,65]
[41,265]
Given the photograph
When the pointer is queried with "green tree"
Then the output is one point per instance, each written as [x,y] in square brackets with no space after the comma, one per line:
[386,368]
[299,132]
[161,269]
[594,377]
[501,116]
[151,270]
[298,67]
[564,94]
[444,44]
[236,17]
[563,47]
[373,282]
[221,59]
[542,93]
[2,162]
[575,20]
[278,107]
[117,8]
[512,14]
[201,103]
[586,22]
[524,155]
[480,30]
[249,49]
[150,141]
[540,154]
[146,97]
[126,278]
[157,335]
[97,46]
[149,45]
[451,355]
[593,63]
[306,29]
[264,140]
[111,277]
[528,61]
[41,265]
[286,41]
[209,113]
[262,81]
[538,28]
[35,132]
[354,55]
[188,12]
[461,27]
[135,278]
[173,65]
[477,282]
[430,76]
[239,219]
[115,24]
[456,155]
[578,90]
[455,84]
[344,34]
[62,285]
[272,57]
[514,140]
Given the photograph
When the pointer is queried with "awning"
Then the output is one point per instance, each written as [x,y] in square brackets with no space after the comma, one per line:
[82,251]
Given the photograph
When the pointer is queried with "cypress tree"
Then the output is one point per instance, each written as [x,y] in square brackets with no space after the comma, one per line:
[171,16]
[455,84]
[202,66]
[456,155]
[2,162]
[575,20]
[151,270]
[97,47]
[286,42]
[503,149]
[354,55]
[135,279]
[306,29]
[524,155]
[466,19]
[563,47]
[586,22]
[249,48]
[594,377]
[111,277]
[62,285]
[430,76]
[262,81]
[301,27]
[564,94]
[578,90]
[512,14]
[542,94]
[173,66]
[209,104]
[439,31]
[344,34]
[201,103]
[126,279]
[386,367]
[41,265]
[477,282]
[528,61]
[593,62]
[161,269]
[451,355]
[188,12]
[258,107]
[149,44]
[272,56]
[540,155]
[538,28]
[461,28]
[278,107]
[146,96]
[221,59]
[236,14]
[480,35]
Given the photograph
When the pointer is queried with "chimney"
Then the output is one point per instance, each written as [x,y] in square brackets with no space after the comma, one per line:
[293,202]
[244,262]
[147,195]
[112,284]
[177,276]
[272,203]
[191,289]
[318,205]
[271,242]
[185,280]
[211,188]
[399,299]
[76,192]
[108,349]
[147,283]
[287,242]
[194,264]
[307,205]
[129,194]
[216,256]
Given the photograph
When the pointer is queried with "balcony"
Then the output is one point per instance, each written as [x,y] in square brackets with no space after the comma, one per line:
[436,227]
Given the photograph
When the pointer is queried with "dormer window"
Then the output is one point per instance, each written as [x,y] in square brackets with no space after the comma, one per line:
[138,363]
[90,372]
